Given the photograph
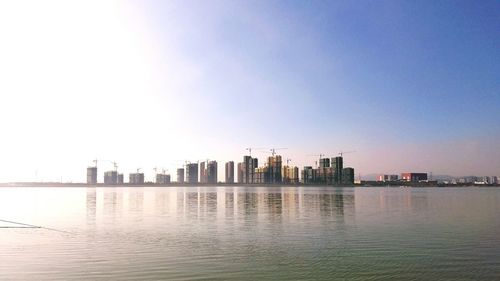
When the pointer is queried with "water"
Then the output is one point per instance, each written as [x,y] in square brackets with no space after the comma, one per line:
[248,233]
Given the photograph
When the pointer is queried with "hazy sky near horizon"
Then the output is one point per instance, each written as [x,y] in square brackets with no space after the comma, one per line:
[408,85]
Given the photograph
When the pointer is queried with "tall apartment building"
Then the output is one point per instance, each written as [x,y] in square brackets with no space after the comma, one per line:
[308,175]
[348,176]
[136,178]
[290,174]
[247,168]
[203,172]
[274,169]
[337,164]
[120,179]
[211,172]
[92,175]
[229,169]
[162,178]
[192,173]
[180,175]
[240,172]
[111,177]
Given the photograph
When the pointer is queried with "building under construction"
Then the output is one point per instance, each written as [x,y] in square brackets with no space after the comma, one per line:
[180,175]
[290,174]
[111,177]
[246,169]
[229,169]
[329,172]
[92,175]
[162,178]
[136,178]
[211,172]
[192,173]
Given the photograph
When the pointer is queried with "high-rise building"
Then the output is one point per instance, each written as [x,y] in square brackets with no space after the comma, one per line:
[203,172]
[92,175]
[136,178]
[211,172]
[337,165]
[348,176]
[240,172]
[494,180]
[120,179]
[324,162]
[414,177]
[192,173]
[229,172]
[111,177]
[162,178]
[308,175]
[248,169]
[290,174]
[180,175]
[274,166]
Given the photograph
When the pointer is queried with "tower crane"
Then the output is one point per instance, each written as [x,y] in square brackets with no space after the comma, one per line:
[344,152]
[273,150]
[250,149]
[320,157]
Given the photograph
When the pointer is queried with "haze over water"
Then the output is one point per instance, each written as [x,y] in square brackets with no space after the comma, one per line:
[250,233]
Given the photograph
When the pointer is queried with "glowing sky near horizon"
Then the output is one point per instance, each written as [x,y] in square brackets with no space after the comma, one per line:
[408,86]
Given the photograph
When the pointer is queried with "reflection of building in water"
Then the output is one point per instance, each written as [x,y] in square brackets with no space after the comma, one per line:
[91,204]
[112,202]
[136,199]
[327,204]
[208,202]
[229,203]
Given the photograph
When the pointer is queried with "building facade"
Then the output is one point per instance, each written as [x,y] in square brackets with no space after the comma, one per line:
[92,175]
[136,178]
[414,177]
[229,172]
[211,172]
[348,176]
[385,178]
[192,173]
[247,169]
[111,177]
[180,175]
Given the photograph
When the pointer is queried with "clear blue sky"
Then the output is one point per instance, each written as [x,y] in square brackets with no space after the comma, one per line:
[409,85]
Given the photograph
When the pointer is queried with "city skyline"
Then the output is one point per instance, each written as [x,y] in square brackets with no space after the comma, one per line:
[408,86]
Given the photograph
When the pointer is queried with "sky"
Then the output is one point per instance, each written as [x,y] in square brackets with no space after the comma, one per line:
[407,85]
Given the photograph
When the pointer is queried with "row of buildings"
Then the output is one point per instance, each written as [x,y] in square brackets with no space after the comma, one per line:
[248,172]
[405,177]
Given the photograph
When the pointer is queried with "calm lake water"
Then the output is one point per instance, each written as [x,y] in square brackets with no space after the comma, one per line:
[250,233]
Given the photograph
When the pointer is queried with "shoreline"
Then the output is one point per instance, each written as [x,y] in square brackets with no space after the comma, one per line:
[174,184]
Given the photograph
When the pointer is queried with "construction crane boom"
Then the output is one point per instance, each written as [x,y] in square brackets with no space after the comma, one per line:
[273,150]
[250,149]
[344,152]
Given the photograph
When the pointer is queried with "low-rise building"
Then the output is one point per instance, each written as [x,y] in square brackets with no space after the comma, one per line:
[414,177]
